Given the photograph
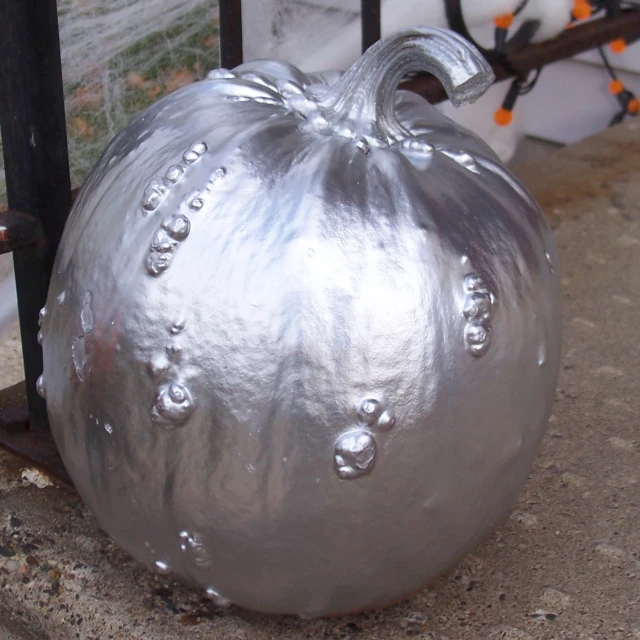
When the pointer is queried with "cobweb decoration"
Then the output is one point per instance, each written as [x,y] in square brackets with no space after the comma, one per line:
[296,30]
[120,56]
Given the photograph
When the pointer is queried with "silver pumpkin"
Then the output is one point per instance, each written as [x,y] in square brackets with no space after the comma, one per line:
[303,335]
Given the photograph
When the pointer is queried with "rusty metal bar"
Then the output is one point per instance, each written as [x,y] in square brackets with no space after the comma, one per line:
[370,19]
[230,33]
[18,230]
[578,39]
[36,161]
[37,447]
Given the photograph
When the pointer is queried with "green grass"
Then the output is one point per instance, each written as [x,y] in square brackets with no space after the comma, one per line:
[158,48]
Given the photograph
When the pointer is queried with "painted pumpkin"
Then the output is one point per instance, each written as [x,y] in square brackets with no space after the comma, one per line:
[303,335]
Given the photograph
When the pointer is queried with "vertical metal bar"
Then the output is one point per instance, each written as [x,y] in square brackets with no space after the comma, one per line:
[455,18]
[230,33]
[370,16]
[613,8]
[34,141]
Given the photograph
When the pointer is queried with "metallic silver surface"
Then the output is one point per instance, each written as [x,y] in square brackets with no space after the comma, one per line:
[303,334]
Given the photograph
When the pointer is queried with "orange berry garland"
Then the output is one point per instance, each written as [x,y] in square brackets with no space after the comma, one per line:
[503,21]
[503,117]
[618,46]
[616,87]
[582,10]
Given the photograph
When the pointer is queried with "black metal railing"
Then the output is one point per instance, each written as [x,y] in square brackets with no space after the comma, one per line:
[371,22]
[37,167]
[230,12]
[36,163]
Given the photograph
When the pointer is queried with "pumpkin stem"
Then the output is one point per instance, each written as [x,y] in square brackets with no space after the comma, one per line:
[362,103]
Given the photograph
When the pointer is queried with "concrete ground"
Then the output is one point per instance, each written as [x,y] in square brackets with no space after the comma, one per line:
[564,565]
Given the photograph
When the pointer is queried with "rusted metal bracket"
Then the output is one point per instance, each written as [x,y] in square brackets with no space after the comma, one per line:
[573,41]
[18,230]
[37,447]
